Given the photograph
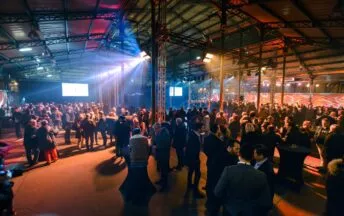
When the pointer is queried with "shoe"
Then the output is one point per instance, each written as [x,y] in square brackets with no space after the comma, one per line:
[48,163]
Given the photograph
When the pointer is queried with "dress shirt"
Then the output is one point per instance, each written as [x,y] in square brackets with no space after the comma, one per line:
[258,164]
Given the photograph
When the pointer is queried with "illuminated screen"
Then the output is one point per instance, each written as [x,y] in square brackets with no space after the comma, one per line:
[176,91]
[74,90]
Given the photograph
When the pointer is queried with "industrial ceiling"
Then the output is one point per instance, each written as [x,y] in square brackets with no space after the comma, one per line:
[69,39]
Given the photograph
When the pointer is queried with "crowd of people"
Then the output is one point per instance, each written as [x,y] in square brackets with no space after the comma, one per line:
[239,144]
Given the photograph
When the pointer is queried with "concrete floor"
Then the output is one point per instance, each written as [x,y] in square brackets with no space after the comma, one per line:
[86,183]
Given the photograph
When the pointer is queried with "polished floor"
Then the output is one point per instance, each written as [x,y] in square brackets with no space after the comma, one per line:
[86,184]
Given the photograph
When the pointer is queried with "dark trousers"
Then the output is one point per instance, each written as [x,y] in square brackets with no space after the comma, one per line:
[67,135]
[89,140]
[163,156]
[96,136]
[0,127]
[194,167]
[213,203]
[17,128]
[32,151]
[103,133]
[6,205]
[180,156]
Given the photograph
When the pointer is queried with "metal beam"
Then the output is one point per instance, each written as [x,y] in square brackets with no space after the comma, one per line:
[48,16]
[271,12]
[321,24]
[65,3]
[91,23]
[51,41]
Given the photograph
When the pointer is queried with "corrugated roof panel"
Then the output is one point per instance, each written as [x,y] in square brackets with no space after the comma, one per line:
[259,13]
[81,5]
[321,9]
[336,32]
[11,53]
[100,26]
[109,4]
[92,44]
[58,47]
[12,6]
[18,30]
[45,5]
[312,32]
[77,27]
[77,45]
[286,10]
[52,29]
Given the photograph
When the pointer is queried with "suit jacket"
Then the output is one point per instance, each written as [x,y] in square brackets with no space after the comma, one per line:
[334,147]
[193,148]
[179,138]
[267,168]
[29,140]
[215,151]
[244,190]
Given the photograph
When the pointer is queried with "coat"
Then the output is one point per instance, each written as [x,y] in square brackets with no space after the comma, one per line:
[216,153]
[193,148]
[43,143]
[179,138]
[244,190]
[267,168]
[334,147]
[139,149]
[30,139]
[122,133]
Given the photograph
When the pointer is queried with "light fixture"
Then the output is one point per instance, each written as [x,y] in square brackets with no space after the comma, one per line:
[49,75]
[308,85]
[288,84]
[198,57]
[40,68]
[278,84]
[299,84]
[317,85]
[263,68]
[26,49]
[38,60]
[209,55]
[144,55]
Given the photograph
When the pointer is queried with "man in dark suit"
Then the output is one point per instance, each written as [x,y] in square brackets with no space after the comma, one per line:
[216,153]
[30,142]
[88,127]
[243,189]
[270,141]
[179,140]
[192,151]
[122,133]
[263,164]
[333,145]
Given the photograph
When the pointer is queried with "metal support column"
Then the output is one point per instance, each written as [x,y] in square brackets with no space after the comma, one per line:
[240,69]
[121,35]
[189,95]
[154,59]
[283,77]
[260,67]
[311,89]
[223,24]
